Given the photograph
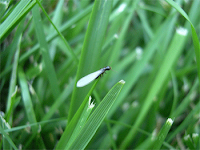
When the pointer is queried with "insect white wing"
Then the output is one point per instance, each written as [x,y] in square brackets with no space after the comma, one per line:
[89,78]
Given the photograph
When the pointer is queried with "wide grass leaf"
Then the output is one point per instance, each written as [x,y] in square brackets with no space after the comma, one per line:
[90,60]
[97,117]
[72,127]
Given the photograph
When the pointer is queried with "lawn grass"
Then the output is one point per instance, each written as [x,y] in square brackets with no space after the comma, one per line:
[150,99]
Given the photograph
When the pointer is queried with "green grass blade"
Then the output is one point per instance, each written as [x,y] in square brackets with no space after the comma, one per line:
[59,33]
[49,68]
[12,48]
[162,134]
[139,66]
[27,99]
[171,57]
[91,50]
[189,142]
[97,117]
[194,34]
[73,123]
[187,121]
[3,7]
[119,43]
[81,122]
[7,141]
[175,99]
[196,139]
[13,80]
[17,14]
[57,20]
[50,37]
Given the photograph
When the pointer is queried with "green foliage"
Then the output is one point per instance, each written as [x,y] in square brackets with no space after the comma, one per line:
[46,47]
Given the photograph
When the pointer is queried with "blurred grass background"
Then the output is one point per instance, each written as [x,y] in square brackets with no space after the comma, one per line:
[46,46]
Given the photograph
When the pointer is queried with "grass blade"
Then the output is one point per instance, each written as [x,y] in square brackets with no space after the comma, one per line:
[27,99]
[59,33]
[92,47]
[7,141]
[13,81]
[17,14]
[139,66]
[168,62]
[194,34]
[163,133]
[71,127]
[49,68]
[97,117]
